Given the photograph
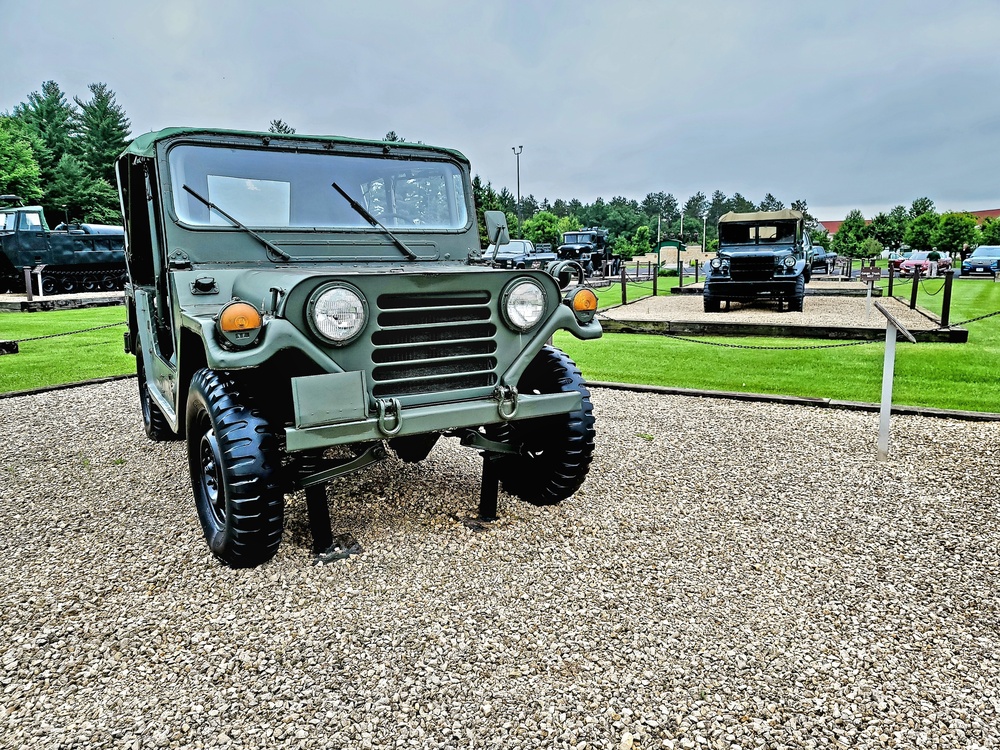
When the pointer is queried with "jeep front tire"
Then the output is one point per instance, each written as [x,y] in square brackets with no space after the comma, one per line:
[554,452]
[234,462]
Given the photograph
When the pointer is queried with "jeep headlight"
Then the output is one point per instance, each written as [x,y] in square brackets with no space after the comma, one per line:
[338,313]
[523,304]
[716,263]
[789,261]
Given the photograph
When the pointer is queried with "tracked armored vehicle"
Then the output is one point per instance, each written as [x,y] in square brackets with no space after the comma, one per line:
[299,306]
[70,258]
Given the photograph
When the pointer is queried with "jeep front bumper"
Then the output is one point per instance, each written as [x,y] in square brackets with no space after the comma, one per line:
[729,289]
[333,409]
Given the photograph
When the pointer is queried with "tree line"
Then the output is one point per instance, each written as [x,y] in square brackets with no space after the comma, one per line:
[920,227]
[633,226]
[60,153]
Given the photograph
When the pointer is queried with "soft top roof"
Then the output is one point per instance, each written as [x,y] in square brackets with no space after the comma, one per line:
[145,144]
[784,215]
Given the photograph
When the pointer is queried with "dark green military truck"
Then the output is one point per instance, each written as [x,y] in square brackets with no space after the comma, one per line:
[298,303]
[762,255]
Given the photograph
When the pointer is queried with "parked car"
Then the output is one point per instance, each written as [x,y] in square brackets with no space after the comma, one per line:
[984,260]
[520,254]
[822,258]
[906,268]
[896,259]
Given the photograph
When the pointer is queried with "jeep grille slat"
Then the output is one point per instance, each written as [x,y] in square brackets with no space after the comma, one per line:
[433,343]
[751,269]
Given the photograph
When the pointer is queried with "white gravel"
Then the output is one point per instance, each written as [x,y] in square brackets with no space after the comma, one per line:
[732,575]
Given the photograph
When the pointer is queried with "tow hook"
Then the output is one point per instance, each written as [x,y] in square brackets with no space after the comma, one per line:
[390,416]
[506,394]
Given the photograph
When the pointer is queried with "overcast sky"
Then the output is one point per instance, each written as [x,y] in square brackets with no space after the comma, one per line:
[845,104]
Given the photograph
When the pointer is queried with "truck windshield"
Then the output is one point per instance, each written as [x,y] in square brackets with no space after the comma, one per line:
[752,234]
[291,190]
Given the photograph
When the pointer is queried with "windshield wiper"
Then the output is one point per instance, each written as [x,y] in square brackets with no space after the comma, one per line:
[375,222]
[236,223]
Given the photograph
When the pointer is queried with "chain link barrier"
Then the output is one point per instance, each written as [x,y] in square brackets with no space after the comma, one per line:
[70,333]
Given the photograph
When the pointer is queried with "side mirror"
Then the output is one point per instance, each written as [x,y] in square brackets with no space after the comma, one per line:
[496,228]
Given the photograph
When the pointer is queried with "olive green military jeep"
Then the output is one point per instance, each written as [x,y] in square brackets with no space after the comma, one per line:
[297,303]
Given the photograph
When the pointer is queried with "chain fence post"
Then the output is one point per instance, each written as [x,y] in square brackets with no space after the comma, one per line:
[915,288]
[624,294]
[949,277]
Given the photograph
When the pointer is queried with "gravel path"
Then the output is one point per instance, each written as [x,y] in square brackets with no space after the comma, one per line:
[731,575]
[818,310]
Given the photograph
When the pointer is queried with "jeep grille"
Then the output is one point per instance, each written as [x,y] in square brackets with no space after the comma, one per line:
[430,343]
[751,269]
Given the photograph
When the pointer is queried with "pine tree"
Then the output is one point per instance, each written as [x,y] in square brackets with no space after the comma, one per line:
[52,118]
[103,132]
[280,126]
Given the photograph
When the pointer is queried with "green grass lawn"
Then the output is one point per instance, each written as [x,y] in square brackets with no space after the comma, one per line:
[947,376]
[66,359]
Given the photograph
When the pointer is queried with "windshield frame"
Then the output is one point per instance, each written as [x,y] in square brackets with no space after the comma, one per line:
[306,196]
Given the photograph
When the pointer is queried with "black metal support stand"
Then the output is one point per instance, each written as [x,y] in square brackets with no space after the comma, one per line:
[489,490]
[915,287]
[319,517]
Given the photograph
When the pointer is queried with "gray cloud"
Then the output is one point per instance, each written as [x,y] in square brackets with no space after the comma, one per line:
[858,105]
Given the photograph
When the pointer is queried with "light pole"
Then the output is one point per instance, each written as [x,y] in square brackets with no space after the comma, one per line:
[704,228]
[517,158]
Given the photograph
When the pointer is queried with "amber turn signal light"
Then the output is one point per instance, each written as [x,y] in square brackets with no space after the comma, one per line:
[239,324]
[585,301]
[239,316]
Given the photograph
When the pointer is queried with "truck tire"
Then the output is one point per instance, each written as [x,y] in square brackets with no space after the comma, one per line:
[711,304]
[796,301]
[153,422]
[234,461]
[555,451]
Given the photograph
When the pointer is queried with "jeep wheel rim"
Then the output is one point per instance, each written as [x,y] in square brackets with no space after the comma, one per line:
[210,479]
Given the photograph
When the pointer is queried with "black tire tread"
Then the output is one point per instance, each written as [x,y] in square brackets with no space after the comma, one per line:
[562,467]
[250,470]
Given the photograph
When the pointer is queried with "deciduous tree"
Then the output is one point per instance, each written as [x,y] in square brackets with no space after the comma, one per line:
[19,171]
[989,232]
[921,206]
[847,241]
[920,231]
[954,230]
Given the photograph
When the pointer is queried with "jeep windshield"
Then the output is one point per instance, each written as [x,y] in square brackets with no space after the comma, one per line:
[286,189]
[775,233]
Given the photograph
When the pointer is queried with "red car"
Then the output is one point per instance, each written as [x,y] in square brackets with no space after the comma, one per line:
[920,260]
[896,259]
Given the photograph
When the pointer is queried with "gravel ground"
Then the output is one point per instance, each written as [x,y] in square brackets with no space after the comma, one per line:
[818,310]
[731,575]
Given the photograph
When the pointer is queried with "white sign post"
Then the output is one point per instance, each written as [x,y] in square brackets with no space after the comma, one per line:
[891,326]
